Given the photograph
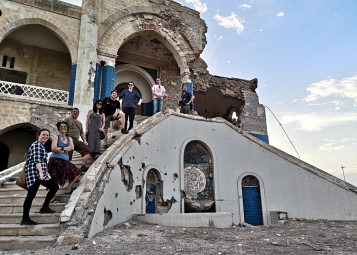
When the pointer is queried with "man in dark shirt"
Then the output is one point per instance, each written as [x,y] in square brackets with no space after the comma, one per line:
[112,112]
[130,99]
[186,100]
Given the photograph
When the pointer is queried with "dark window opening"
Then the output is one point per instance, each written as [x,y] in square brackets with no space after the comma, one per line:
[7,59]
[4,61]
[12,63]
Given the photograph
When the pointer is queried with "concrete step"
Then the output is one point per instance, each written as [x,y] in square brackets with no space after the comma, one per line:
[18,208]
[43,218]
[19,199]
[8,243]
[17,191]
[25,230]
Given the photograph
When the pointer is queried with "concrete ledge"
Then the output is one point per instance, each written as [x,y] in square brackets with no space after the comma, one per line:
[194,220]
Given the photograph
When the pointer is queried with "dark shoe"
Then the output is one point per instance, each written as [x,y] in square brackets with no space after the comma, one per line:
[84,169]
[46,210]
[123,131]
[106,146]
[28,222]
[114,136]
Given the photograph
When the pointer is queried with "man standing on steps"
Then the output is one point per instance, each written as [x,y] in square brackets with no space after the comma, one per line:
[158,92]
[130,99]
[75,130]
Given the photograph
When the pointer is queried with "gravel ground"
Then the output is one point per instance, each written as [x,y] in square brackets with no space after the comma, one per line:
[291,237]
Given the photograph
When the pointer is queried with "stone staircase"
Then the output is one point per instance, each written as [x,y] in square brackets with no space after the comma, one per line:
[14,236]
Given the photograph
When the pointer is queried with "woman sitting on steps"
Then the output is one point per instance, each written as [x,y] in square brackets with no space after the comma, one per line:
[59,166]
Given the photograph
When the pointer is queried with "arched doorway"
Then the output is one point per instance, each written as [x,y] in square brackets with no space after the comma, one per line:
[15,141]
[143,82]
[252,203]
[198,178]
[124,85]
[153,195]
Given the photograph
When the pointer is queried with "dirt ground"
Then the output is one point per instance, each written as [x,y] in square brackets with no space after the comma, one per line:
[291,237]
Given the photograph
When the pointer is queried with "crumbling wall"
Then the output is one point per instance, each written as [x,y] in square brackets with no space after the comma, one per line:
[238,95]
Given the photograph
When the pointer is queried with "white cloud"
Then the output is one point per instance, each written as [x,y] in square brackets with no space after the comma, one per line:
[338,104]
[317,121]
[330,147]
[348,140]
[280,14]
[198,5]
[346,87]
[232,21]
[245,6]
[218,37]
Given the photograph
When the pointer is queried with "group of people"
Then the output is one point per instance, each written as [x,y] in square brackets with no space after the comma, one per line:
[50,173]
[158,91]
[59,169]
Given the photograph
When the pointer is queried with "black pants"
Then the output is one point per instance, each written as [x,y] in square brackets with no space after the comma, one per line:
[129,114]
[31,194]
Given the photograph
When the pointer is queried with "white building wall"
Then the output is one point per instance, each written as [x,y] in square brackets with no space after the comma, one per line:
[285,186]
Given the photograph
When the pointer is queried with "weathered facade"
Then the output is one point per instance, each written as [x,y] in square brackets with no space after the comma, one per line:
[51,47]
[56,56]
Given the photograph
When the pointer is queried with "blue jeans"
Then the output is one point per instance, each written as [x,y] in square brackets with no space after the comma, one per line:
[158,105]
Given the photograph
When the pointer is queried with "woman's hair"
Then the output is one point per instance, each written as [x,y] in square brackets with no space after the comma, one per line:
[60,123]
[95,106]
[43,129]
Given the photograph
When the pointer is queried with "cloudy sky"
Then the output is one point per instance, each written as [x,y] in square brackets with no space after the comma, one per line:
[304,55]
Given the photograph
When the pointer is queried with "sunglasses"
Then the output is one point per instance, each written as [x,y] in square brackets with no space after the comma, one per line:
[99,103]
[63,126]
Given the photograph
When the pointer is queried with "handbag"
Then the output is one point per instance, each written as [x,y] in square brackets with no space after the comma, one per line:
[102,135]
[21,179]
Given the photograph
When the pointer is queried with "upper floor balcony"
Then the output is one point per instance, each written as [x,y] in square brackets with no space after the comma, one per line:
[24,91]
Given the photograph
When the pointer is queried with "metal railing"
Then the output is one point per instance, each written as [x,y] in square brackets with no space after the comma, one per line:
[29,91]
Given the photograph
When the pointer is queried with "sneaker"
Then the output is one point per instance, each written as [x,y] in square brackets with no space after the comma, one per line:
[123,131]
[46,210]
[114,136]
[28,222]
[84,169]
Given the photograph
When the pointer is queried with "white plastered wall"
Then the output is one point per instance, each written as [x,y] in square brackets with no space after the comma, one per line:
[285,186]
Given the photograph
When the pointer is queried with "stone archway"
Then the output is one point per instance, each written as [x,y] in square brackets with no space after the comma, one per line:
[53,25]
[16,140]
[133,24]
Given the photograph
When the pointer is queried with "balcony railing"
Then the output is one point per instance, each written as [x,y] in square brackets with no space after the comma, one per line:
[29,91]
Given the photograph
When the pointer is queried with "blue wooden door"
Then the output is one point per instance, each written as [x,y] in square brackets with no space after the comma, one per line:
[252,206]
[151,199]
